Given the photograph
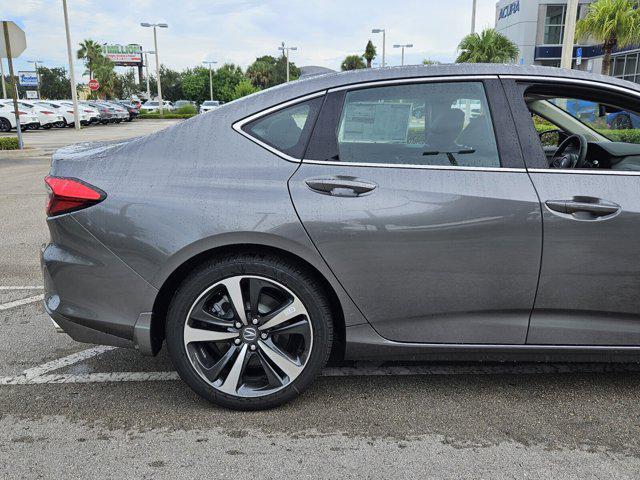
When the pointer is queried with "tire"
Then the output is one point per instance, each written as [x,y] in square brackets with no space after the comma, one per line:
[47,126]
[264,379]
[5,125]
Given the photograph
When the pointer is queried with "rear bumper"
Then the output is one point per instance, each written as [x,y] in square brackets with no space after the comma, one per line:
[90,293]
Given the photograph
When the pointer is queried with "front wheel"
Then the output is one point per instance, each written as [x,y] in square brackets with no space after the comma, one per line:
[5,125]
[249,332]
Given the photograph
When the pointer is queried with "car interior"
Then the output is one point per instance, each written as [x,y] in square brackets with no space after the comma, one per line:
[580,128]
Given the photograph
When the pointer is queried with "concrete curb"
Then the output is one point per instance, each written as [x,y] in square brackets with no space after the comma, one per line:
[26,153]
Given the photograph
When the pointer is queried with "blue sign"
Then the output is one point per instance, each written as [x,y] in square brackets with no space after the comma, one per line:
[579,56]
[509,10]
[28,79]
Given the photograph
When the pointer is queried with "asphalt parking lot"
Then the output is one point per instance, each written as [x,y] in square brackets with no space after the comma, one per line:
[101,412]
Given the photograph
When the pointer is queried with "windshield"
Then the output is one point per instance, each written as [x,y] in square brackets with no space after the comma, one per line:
[210,103]
[152,104]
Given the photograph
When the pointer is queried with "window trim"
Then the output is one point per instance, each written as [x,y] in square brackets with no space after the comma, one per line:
[432,79]
[237,126]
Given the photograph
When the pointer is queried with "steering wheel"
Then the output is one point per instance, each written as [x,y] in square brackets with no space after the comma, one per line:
[571,159]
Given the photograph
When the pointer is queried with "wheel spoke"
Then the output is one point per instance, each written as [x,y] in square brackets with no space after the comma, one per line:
[230,384]
[284,363]
[203,316]
[192,335]
[292,310]
[255,287]
[235,296]
[213,372]
[274,379]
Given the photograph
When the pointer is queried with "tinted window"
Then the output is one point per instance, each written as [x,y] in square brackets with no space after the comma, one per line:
[445,124]
[286,130]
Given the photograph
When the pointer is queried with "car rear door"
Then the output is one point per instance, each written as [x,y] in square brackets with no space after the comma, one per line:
[416,196]
[590,274]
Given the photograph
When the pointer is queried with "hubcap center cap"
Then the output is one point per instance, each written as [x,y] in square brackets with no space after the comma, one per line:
[250,334]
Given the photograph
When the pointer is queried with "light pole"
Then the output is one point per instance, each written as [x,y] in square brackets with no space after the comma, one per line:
[4,87]
[35,67]
[285,52]
[72,76]
[473,17]
[155,44]
[566,59]
[210,77]
[146,67]
[403,46]
[384,43]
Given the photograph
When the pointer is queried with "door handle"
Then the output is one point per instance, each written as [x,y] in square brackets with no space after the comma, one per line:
[589,205]
[341,186]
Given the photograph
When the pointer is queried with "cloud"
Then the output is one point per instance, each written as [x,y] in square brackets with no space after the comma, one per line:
[238,31]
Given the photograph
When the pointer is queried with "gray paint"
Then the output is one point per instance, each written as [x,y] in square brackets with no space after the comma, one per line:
[200,185]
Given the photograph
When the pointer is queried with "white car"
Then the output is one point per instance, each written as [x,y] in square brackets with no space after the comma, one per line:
[66,111]
[46,116]
[92,113]
[210,105]
[8,118]
[154,106]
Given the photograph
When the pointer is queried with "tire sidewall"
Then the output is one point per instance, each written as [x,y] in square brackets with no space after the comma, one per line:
[296,280]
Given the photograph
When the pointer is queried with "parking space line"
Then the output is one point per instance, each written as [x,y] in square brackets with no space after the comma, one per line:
[21,287]
[17,303]
[66,361]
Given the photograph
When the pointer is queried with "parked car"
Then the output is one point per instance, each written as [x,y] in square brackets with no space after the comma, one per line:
[8,118]
[106,112]
[66,111]
[456,238]
[132,110]
[185,103]
[121,113]
[209,105]
[47,117]
[154,106]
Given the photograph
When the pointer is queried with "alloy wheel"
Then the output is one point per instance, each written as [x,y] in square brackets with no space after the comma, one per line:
[248,336]
[5,126]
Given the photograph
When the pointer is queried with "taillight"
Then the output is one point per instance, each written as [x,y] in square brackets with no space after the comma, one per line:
[20,112]
[46,112]
[70,194]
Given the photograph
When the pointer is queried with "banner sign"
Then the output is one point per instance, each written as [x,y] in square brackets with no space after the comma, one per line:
[123,54]
[28,79]
[32,94]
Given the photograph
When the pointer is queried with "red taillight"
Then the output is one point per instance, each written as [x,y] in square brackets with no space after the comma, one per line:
[47,112]
[70,194]
[20,112]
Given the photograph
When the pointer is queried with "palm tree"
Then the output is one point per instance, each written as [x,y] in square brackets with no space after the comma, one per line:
[487,47]
[369,53]
[352,62]
[90,51]
[615,23]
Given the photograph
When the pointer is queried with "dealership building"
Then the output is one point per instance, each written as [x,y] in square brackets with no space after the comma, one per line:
[537,28]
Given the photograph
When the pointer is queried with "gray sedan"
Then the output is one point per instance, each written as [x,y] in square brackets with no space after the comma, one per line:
[450,212]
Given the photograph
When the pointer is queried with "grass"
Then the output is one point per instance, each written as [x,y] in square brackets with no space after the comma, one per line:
[166,116]
[8,143]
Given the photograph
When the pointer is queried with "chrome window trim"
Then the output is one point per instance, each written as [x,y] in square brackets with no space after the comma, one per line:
[577,81]
[415,166]
[237,126]
[400,81]
[584,172]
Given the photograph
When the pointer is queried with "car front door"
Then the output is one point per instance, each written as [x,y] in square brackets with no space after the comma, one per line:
[590,274]
[417,198]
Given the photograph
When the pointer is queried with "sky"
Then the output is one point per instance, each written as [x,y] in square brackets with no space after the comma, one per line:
[238,31]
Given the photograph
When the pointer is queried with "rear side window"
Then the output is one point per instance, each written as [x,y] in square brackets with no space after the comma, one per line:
[446,124]
[286,130]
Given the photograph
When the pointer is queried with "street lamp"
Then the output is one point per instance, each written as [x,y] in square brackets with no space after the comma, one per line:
[155,44]
[72,77]
[406,45]
[210,76]
[35,67]
[384,42]
[285,52]
[146,66]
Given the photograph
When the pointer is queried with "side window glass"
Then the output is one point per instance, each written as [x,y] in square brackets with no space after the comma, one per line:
[286,130]
[446,124]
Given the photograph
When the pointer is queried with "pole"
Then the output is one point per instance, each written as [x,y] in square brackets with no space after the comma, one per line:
[473,17]
[72,76]
[287,55]
[146,66]
[384,47]
[5,27]
[210,83]
[402,61]
[155,43]
[569,34]
[4,87]
[35,65]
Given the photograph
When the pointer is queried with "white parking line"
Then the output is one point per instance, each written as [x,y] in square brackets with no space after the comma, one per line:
[17,303]
[19,287]
[66,361]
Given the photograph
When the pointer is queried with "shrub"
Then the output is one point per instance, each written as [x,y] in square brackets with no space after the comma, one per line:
[185,109]
[166,115]
[8,143]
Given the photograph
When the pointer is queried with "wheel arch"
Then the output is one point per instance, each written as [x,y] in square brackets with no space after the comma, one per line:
[178,273]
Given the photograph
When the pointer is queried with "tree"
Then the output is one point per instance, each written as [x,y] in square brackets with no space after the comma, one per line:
[268,71]
[54,83]
[352,62]
[171,84]
[105,74]
[615,23]
[428,61]
[195,84]
[225,80]
[125,84]
[244,88]
[91,52]
[487,47]
[369,53]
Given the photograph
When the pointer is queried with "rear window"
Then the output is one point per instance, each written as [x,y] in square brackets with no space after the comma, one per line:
[286,130]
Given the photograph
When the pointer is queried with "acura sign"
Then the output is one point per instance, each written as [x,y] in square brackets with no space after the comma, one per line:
[509,10]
